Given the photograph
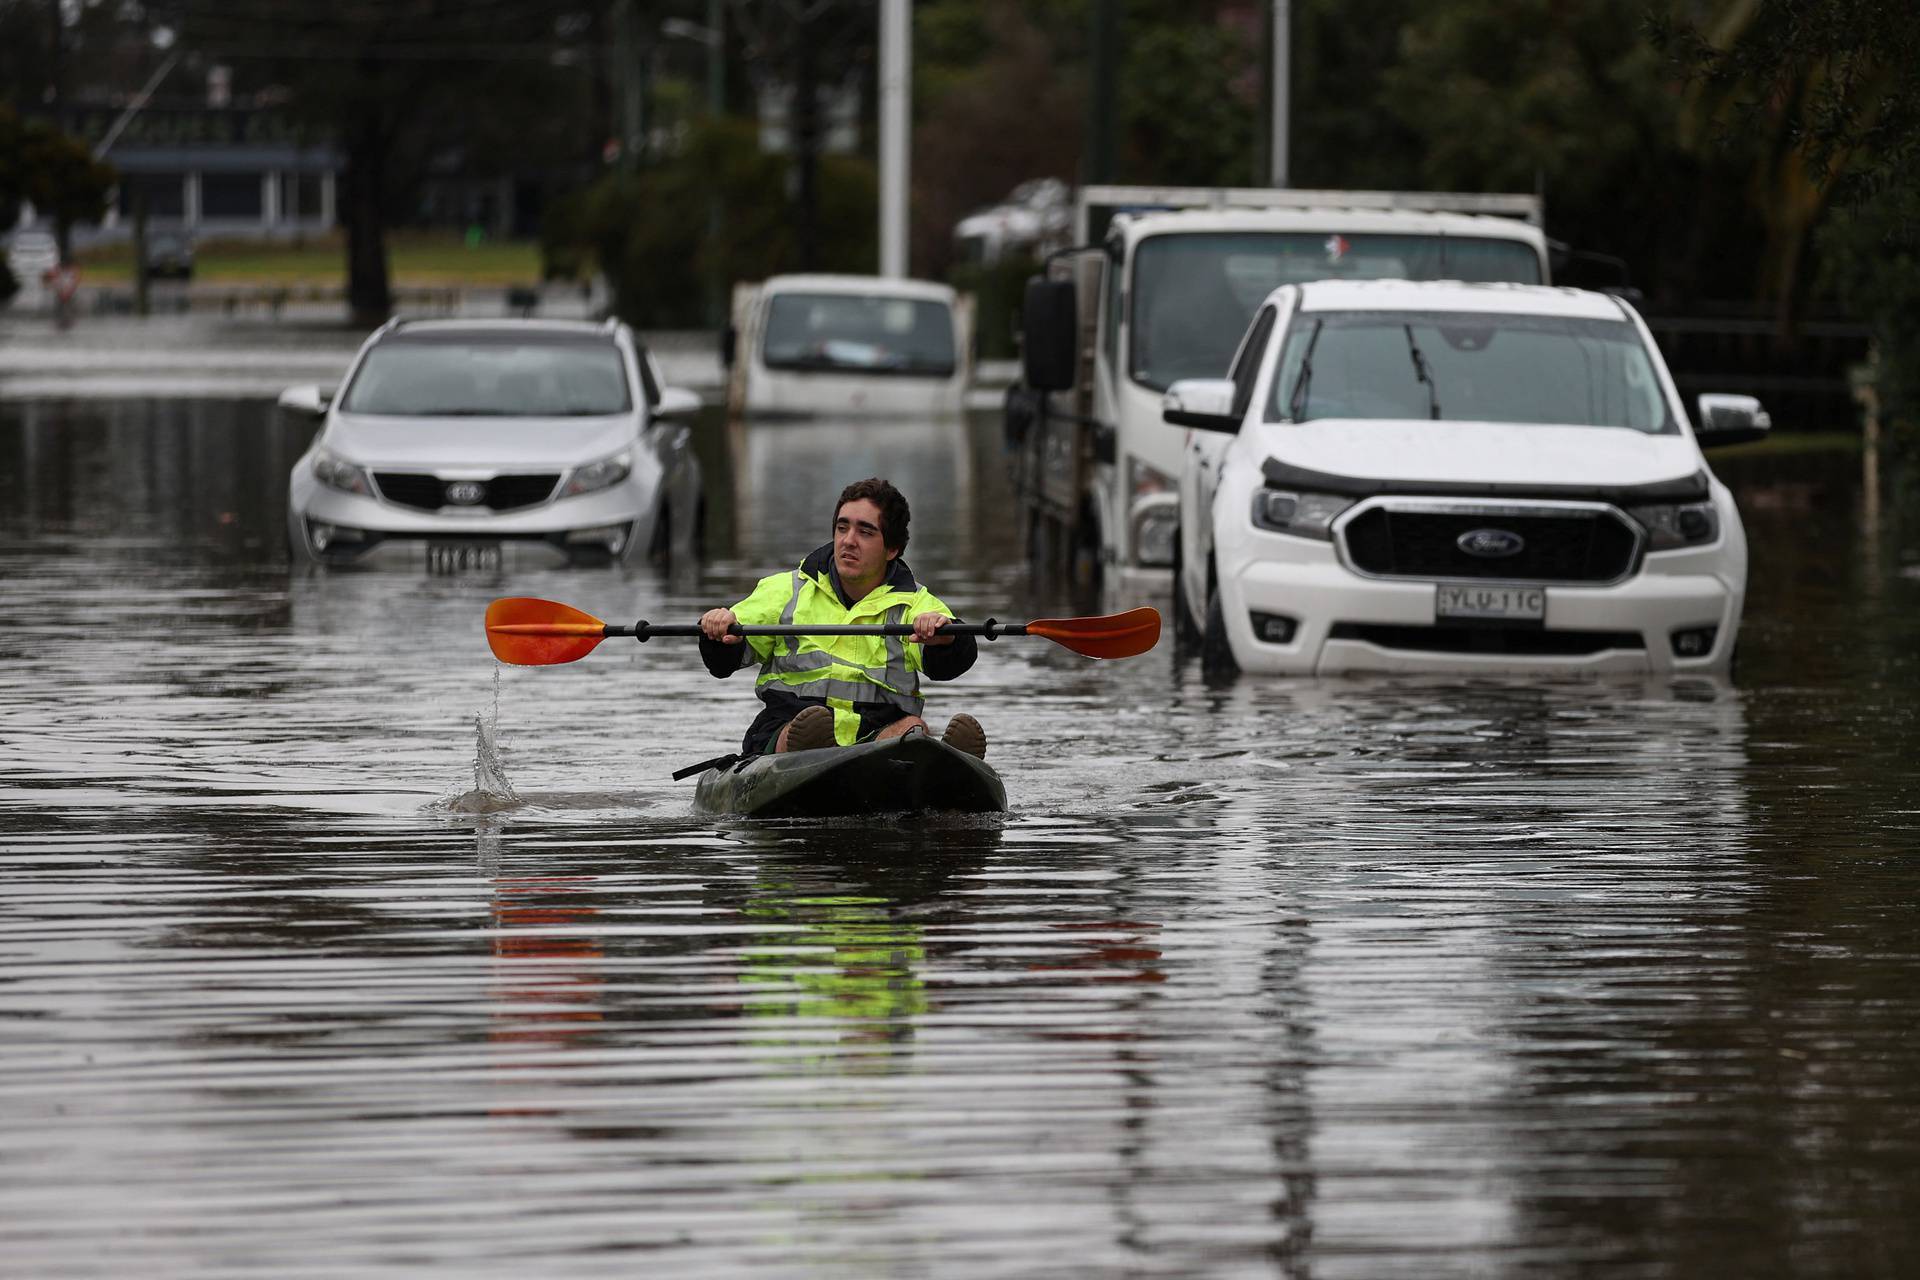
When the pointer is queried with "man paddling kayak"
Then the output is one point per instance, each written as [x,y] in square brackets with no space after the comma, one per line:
[819,691]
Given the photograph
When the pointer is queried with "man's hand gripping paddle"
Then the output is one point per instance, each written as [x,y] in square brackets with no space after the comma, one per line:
[539,633]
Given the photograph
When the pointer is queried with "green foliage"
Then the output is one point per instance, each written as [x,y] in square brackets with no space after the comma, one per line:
[55,171]
[648,230]
[998,291]
[1189,94]
[1872,259]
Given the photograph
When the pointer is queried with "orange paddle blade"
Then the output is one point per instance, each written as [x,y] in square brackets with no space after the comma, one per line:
[1117,635]
[538,633]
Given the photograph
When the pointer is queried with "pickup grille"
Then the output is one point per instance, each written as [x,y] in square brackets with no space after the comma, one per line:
[1559,544]
[429,493]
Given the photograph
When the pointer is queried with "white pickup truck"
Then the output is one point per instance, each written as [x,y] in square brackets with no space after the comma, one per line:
[1165,294]
[1443,477]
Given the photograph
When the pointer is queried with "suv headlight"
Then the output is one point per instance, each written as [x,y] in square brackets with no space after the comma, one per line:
[337,473]
[1674,525]
[1304,515]
[596,476]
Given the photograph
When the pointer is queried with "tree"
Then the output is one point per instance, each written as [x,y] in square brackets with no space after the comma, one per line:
[55,172]
[1830,85]
[399,86]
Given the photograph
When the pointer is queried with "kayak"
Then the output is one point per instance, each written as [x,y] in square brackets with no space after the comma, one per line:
[915,772]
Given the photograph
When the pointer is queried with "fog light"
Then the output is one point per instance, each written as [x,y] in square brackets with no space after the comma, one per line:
[1272,628]
[1694,642]
[611,537]
[321,535]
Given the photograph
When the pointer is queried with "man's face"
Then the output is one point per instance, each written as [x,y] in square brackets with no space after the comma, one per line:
[858,548]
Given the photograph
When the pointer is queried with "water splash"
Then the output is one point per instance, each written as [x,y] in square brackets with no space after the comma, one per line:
[492,790]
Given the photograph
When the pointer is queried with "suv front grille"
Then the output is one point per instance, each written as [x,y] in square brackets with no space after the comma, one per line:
[1558,544]
[429,493]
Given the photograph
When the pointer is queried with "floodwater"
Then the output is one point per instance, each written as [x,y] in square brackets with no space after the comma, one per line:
[1364,978]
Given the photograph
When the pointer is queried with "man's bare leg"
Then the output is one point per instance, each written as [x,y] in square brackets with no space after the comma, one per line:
[899,727]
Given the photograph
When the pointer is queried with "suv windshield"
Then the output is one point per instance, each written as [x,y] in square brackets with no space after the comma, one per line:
[1472,366]
[490,375]
[1194,294]
[861,333]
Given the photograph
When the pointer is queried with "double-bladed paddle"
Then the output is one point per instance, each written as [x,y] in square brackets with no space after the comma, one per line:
[538,633]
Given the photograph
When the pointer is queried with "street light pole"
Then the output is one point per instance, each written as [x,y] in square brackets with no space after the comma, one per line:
[896,82]
[1282,55]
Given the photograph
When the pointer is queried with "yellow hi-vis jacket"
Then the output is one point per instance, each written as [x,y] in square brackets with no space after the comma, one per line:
[851,673]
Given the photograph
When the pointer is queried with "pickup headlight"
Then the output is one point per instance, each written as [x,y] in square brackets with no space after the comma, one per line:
[337,473]
[596,476]
[1304,515]
[1669,526]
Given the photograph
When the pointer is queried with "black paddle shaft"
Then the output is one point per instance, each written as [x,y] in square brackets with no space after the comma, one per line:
[644,631]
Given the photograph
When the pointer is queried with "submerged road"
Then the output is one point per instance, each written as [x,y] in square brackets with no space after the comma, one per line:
[1362,978]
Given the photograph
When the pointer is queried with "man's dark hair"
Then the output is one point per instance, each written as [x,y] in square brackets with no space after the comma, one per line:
[892,504]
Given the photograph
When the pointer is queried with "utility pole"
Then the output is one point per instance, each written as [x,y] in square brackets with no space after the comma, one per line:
[1100,102]
[896,128]
[626,86]
[804,117]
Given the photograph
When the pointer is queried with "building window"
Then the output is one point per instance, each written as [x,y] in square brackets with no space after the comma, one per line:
[230,195]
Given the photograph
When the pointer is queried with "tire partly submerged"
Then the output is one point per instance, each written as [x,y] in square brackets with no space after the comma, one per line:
[908,774]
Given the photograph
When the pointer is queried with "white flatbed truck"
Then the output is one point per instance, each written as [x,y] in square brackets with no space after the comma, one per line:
[1161,286]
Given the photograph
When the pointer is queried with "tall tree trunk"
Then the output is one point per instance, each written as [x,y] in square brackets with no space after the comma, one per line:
[369,298]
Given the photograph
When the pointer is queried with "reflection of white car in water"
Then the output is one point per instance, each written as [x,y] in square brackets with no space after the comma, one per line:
[789,472]
[550,441]
[1439,476]
[837,345]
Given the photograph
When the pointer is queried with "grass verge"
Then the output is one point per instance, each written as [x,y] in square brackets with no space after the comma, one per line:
[418,259]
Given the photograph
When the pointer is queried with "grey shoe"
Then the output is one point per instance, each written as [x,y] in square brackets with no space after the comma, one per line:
[965,734]
[810,730]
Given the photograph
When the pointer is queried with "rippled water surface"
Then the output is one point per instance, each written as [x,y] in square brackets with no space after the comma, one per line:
[1359,978]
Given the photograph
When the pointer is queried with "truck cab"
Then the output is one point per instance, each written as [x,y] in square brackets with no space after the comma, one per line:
[1165,294]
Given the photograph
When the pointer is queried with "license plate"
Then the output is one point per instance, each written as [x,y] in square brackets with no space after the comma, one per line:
[1490,604]
[463,557]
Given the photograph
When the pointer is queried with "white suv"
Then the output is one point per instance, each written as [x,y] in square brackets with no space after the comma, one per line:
[1455,477]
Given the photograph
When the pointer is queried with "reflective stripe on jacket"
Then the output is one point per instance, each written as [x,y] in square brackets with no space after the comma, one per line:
[851,673]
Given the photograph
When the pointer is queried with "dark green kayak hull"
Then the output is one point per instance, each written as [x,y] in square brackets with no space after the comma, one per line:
[907,774]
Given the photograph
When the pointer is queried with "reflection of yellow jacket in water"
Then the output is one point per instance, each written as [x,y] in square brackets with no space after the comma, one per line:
[869,681]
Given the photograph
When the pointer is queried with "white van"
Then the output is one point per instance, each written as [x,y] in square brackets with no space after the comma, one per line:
[834,345]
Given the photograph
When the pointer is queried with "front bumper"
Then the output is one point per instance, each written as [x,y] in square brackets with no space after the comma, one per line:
[1680,613]
[331,527]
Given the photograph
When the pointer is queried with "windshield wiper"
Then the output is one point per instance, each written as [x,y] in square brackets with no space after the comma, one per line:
[1297,402]
[1424,373]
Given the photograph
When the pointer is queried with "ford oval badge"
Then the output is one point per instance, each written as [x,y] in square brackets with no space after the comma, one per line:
[1491,544]
[464,493]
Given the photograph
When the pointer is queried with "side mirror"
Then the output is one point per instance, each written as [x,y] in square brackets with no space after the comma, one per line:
[729,341]
[676,402]
[1728,419]
[307,401]
[1049,326]
[1205,404]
